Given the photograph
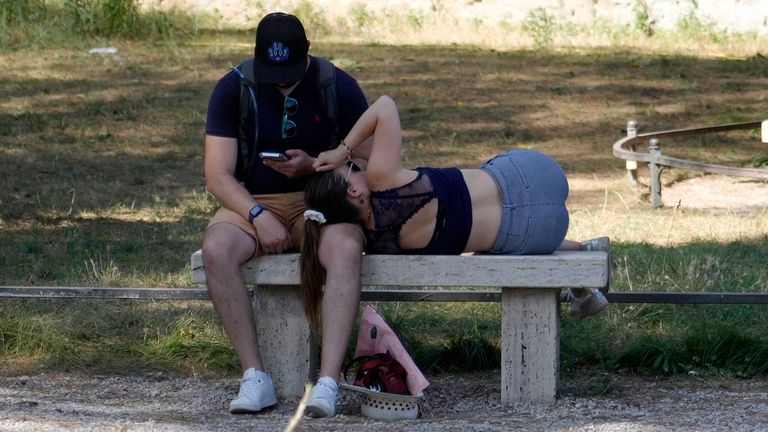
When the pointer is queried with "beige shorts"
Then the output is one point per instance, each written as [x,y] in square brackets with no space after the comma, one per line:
[288,208]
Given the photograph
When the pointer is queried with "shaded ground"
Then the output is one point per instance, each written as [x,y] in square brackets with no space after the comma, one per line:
[75,128]
[465,402]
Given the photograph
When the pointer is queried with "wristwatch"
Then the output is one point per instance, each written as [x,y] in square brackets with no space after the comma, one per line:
[254,212]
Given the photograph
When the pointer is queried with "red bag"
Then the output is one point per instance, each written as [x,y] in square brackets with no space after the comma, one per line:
[376,337]
[381,373]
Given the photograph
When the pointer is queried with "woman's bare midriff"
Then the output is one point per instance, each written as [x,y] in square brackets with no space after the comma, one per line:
[486,209]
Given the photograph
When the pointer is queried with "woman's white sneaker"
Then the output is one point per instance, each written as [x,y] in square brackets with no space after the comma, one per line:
[256,393]
[322,399]
[591,302]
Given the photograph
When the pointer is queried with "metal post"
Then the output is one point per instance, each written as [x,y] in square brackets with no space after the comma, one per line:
[655,152]
[631,164]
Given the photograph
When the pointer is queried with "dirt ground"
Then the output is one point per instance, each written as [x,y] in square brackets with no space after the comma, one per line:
[467,402]
[717,191]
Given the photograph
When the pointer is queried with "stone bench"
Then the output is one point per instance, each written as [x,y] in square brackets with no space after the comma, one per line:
[530,323]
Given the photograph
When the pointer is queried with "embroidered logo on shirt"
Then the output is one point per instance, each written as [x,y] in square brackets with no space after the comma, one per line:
[277,52]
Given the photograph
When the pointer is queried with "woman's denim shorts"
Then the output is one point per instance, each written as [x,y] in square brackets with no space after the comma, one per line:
[533,190]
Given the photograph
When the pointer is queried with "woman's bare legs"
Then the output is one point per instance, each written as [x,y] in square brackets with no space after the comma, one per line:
[569,245]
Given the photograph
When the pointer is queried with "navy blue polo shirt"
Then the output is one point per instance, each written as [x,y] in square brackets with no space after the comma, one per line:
[313,131]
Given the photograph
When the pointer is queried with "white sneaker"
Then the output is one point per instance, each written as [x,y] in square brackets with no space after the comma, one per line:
[256,393]
[322,400]
[591,302]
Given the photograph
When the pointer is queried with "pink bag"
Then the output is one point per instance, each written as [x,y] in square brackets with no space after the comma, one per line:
[375,337]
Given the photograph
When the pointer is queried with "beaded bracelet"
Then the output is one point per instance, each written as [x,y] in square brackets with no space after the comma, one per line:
[346,147]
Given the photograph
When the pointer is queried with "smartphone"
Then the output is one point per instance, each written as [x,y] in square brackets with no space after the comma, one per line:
[275,156]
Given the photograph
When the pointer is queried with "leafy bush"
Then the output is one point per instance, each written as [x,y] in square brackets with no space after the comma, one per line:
[540,26]
[643,20]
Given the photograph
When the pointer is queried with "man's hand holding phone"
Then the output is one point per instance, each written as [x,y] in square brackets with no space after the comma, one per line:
[274,156]
[297,164]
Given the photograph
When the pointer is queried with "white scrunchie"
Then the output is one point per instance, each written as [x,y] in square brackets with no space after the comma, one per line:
[315,216]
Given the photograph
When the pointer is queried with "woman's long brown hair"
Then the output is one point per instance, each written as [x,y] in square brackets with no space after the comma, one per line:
[325,192]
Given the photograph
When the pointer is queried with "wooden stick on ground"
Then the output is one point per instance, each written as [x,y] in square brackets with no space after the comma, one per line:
[299,410]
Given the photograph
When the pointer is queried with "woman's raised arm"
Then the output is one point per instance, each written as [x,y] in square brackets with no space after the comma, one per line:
[382,122]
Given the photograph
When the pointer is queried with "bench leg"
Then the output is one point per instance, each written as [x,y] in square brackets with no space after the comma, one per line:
[285,340]
[530,347]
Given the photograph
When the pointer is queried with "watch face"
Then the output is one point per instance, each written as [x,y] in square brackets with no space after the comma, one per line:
[255,211]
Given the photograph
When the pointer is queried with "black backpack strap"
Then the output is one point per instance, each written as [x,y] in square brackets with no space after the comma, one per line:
[248,91]
[326,90]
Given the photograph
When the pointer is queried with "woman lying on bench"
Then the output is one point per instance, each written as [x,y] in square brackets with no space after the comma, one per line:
[513,204]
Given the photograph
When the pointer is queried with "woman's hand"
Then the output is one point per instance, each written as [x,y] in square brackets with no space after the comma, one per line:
[330,159]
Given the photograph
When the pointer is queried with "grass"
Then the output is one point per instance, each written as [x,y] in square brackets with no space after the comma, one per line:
[26,24]
[111,336]
[101,184]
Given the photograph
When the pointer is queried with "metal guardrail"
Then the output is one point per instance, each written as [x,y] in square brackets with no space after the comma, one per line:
[444,295]
[626,148]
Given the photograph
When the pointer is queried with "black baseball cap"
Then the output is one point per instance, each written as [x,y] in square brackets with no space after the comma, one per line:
[281,49]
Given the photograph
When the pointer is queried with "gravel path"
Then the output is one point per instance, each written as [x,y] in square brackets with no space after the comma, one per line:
[467,402]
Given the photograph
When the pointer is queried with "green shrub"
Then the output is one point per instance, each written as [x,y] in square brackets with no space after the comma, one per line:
[361,16]
[540,26]
[643,20]
[313,18]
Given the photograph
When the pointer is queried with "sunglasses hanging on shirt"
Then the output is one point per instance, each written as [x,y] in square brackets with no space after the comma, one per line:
[290,106]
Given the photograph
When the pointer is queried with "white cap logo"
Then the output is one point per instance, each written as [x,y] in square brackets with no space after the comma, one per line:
[278,53]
